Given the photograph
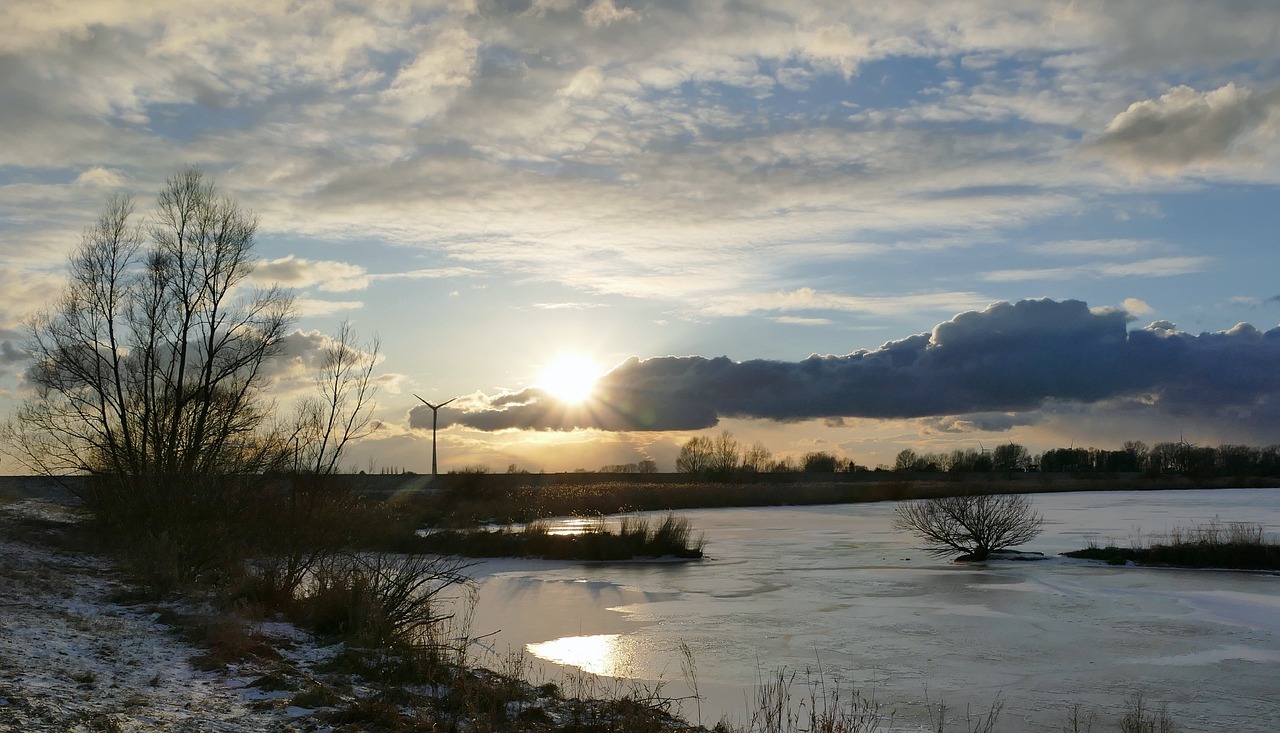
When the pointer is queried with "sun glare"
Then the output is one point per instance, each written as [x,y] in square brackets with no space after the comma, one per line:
[570,378]
[599,654]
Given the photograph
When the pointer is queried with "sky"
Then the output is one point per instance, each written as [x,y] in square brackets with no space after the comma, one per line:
[846,227]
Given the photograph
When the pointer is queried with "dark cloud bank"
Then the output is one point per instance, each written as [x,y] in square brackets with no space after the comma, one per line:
[1007,358]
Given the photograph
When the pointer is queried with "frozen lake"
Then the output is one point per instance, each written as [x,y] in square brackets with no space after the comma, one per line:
[836,586]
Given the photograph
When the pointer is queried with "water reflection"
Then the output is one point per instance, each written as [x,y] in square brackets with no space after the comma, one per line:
[572,526]
[601,654]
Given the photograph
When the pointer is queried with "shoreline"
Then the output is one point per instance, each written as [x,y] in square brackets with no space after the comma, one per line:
[464,500]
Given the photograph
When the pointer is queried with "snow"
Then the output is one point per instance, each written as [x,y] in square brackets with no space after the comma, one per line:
[72,659]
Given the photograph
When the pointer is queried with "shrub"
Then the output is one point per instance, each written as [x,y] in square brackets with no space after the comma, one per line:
[383,598]
[1140,718]
[971,525]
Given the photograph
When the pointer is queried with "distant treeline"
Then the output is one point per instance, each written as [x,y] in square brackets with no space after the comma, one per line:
[725,456]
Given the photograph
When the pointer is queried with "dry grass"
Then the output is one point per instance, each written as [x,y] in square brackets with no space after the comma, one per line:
[1228,545]
[636,537]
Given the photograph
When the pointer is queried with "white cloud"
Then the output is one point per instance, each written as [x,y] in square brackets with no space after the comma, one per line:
[425,86]
[24,292]
[542,7]
[1137,307]
[1095,247]
[809,299]
[293,370]
[604,12]
[838,44]
[313,307]
[613,147]
[99,177]
[329,276]
[585,83]
[1183,128]
[1154,267]
[802,321]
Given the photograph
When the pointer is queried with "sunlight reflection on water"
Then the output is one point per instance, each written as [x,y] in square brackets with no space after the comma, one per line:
[601,654]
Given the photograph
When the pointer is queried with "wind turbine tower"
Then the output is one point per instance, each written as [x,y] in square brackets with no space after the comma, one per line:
[435,414]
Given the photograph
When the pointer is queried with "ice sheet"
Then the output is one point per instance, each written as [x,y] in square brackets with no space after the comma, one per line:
[837,587]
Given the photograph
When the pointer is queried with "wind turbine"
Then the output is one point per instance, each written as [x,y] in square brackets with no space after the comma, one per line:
[435,413]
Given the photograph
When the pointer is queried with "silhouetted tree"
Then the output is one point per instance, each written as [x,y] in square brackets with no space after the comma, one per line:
[696,455]
[968,460]
[757,458]
[906,460]
[1010,457]
[971,525]
[819,462]
[910,461]
[725,455]
[341,410]
[786,464]
[149,364]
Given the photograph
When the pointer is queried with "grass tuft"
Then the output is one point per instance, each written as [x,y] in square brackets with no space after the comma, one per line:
[1229,545]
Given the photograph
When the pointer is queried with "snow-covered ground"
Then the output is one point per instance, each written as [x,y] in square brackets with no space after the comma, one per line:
[72,659]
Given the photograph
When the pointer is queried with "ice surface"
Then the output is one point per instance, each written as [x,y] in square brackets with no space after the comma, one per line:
[799,587]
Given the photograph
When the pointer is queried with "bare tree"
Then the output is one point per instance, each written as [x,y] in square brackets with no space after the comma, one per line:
[971,525]
[341,410]
[725,454]
[695,455]
[757,458]
[148,366]
[907,460]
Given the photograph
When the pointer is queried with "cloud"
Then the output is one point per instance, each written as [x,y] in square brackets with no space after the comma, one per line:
[10,354]
[1154,267]
[837,43]
[295,272]
[1008,358]
[301,356]
[810,299]
[316,307]
[25,291]
[1095,247]
[603,13]
[340,277]
[100,177]
[571,306]
[979,422]
[578,141]
[802,321]
[428,84]
[585,83]
[1183,128]
[1136,307]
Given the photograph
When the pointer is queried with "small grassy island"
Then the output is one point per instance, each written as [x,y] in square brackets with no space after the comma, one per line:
[1233,546]
[637,538]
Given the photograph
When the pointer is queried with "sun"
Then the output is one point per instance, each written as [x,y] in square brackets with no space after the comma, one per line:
[569,377]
